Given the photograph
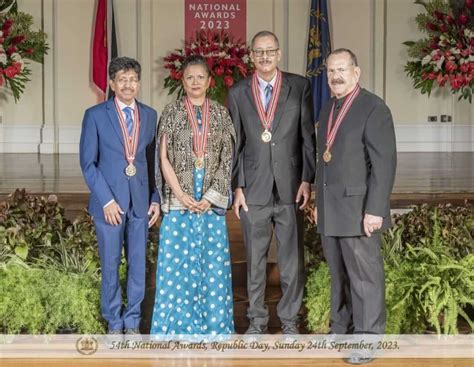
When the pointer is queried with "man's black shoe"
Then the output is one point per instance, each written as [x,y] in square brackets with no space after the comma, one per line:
[256,329]
[290,329]
[359,358]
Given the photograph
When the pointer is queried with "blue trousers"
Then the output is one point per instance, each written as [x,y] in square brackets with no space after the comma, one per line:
[131,233]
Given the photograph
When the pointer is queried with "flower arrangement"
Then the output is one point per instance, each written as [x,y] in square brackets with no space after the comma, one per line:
[229,62]
[18,43]
[445,58]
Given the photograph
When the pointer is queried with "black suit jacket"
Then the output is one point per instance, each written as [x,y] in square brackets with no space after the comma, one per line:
[289,158]
[359,178]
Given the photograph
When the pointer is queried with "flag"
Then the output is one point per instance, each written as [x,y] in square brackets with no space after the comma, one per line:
[104,45]
[319,46]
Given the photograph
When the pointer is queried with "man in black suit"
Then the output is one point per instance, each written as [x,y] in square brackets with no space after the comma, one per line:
[274,165]
[355,173]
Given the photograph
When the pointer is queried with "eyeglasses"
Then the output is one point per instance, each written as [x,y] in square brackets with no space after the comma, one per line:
[270,53]
[123,81]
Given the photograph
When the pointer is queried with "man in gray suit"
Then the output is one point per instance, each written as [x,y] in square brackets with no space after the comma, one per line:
[355,173]
[274,165]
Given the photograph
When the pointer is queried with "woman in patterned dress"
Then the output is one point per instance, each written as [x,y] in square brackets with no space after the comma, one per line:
[193,279]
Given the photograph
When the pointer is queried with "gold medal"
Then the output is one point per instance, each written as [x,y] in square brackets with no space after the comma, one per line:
[199,162]
[131,170]
[327,156]
[266,136]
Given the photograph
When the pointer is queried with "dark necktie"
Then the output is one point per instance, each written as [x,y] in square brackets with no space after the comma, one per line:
[128,119]
[268,95]
[337,107]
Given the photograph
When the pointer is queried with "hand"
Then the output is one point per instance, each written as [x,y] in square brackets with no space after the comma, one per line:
[203,206]
[113,214]
[305,192]
[372,223]
[239,201]
[188,202]
[154,211]
[315,215]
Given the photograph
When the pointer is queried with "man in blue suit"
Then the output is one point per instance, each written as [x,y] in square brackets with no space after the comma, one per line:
[117,151]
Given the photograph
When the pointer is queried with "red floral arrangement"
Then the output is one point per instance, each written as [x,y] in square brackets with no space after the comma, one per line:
[17,44]
[229,62]
[446,57]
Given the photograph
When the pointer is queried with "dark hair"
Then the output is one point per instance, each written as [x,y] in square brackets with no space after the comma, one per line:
[265,34]
[339,51]
[195,60]
[123,63]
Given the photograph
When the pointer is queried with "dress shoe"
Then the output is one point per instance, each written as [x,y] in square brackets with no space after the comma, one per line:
[359,358]
[132,331]
[115,332]
[290,329]
[255,329]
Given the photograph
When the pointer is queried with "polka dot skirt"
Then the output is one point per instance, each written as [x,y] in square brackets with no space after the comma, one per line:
[193,278]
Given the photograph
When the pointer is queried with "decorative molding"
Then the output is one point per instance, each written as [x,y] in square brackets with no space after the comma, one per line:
[411,137]
[30,138]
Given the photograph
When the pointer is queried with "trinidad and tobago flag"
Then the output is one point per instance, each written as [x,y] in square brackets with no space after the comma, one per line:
[104,46]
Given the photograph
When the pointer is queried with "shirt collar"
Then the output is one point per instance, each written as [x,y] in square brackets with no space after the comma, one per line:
[263,83]
[123,105]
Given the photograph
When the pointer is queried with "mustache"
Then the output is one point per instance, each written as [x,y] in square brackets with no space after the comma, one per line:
[337,81]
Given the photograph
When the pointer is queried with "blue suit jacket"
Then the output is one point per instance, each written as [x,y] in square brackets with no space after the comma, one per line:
[103,163]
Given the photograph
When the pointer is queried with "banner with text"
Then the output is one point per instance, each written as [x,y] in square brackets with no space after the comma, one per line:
[215,15]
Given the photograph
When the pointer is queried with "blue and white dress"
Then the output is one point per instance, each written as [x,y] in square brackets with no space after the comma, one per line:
[193,278]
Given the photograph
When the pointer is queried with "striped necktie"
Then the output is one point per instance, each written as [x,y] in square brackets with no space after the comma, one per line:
[128,119]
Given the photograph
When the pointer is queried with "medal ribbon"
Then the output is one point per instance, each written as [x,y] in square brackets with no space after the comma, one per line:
[199,139]
[131,142]
[332,130]
[266,117]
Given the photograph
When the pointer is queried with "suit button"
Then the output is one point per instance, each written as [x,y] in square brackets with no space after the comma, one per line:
[273,144]
[325,184]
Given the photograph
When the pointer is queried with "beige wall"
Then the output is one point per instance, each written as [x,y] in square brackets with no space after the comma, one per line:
[52,108]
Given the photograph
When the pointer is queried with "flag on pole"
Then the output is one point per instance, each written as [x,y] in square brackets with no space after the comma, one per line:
[319,46]
[104,45]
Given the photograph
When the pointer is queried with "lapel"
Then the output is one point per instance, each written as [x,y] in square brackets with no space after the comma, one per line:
[248,93]
[324,123]
[113,119]
[284,92]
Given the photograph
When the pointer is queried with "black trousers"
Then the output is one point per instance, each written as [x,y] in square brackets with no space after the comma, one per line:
[258,225]
[357,284]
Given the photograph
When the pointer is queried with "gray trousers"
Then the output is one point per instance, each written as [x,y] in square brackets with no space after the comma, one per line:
[258,224]
[357,284]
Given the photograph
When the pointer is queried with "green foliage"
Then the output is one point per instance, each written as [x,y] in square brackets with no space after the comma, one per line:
[35,40]
[45,300]
[429,273]
[30,225]
[456,228]
[59,265]
[318,298]
[415,71]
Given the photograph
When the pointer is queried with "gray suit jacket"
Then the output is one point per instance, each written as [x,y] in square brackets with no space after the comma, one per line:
[289,158]
[359,178]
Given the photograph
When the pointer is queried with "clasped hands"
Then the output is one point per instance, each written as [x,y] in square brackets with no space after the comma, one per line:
[113,213]
[192,205]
